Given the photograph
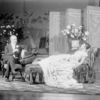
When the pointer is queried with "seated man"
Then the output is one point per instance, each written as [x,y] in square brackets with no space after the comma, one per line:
[12,52]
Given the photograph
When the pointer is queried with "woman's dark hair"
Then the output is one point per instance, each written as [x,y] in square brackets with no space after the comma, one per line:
[86,43]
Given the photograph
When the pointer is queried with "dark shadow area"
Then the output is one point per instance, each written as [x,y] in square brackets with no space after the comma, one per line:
[13,95]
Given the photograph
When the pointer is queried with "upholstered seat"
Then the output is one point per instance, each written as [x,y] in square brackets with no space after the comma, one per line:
[33,74]
[85,73]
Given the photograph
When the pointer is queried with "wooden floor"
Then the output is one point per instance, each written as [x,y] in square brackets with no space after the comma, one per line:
[13,95]
[18,85]
[18,90]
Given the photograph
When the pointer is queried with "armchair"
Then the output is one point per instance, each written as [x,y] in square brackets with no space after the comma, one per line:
[85,73]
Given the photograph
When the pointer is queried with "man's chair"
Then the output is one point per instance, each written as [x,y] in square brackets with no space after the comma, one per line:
[19,68]
[85,73]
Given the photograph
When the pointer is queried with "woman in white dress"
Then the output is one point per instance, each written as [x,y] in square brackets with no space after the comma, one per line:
[58,69]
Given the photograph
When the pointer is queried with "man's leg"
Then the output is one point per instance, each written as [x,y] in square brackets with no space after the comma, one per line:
[7,73]
[11,62]
[10,68]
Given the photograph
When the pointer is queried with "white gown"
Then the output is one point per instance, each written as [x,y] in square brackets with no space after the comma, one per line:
[58,69]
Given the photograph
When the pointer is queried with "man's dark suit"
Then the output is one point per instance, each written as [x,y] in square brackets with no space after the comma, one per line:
[11,61]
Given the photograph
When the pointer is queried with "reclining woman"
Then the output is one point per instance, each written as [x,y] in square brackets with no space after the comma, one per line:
[58,69]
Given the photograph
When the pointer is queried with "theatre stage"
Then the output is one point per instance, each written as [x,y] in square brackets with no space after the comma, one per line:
[18,85]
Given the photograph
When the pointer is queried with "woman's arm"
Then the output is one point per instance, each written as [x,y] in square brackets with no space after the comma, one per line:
[83,57]
[81,61]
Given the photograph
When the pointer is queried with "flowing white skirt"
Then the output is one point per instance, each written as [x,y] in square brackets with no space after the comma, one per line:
[58,71]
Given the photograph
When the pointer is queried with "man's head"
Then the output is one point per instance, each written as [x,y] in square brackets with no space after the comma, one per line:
[13,39]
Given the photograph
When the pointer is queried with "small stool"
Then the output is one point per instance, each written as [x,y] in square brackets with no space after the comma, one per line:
[33,74]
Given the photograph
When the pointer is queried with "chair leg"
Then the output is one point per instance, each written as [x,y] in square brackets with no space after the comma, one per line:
[3,70]
[13,76]
[23,79]
[31,79]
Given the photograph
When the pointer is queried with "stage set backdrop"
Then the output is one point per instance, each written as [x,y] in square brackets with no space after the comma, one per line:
[38,19]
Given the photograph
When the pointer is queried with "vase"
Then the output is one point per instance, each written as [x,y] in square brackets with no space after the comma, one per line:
[75,44]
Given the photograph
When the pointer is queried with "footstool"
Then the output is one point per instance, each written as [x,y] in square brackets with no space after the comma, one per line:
[33,74]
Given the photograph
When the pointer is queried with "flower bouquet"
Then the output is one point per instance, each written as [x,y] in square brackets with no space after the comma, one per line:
[76,33]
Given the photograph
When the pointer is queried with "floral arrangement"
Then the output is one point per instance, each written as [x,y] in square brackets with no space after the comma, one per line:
[75,32]
[7,30]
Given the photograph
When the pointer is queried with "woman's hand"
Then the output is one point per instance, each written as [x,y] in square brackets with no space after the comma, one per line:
[81,61]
